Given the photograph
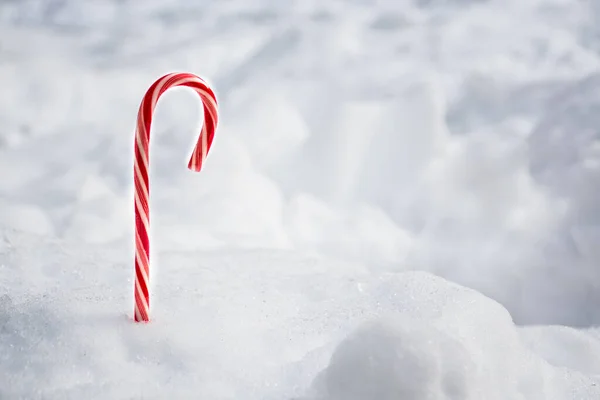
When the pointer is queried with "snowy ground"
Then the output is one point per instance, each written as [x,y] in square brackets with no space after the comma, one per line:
[402,200]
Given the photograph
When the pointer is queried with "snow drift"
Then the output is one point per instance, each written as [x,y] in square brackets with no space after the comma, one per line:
[263,324]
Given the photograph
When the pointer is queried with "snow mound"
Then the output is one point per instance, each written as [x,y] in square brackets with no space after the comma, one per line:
[441,341]
[410,360]
[259,325]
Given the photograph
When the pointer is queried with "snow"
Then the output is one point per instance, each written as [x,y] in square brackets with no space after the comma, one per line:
[257,323]
[401,200]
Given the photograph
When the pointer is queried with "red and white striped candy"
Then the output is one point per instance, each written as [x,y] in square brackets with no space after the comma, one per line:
[142,182]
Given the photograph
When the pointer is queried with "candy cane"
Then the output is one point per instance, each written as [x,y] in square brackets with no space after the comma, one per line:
[140,173]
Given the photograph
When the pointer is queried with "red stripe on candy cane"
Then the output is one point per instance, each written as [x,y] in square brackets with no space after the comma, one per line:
[141,169]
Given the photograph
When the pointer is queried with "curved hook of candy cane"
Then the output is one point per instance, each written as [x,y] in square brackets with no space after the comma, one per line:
[141,171]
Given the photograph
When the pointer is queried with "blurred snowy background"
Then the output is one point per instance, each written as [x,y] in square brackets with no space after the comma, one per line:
[457,137]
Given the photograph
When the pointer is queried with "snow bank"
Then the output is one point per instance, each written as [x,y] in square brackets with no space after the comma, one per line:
[261,325]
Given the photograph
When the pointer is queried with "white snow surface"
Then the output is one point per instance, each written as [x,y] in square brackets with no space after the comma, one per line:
[268,324]
[402,200]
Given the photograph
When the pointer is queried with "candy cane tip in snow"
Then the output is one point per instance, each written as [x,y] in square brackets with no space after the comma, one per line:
[141,172]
